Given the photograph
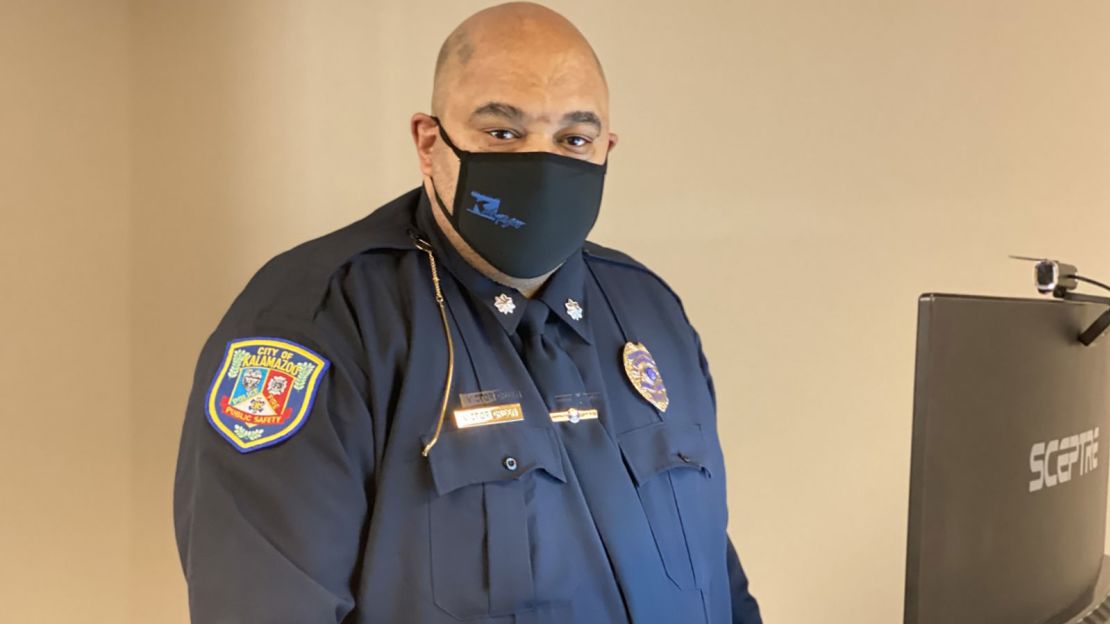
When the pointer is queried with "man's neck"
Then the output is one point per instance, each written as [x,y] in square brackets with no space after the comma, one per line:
[528,286]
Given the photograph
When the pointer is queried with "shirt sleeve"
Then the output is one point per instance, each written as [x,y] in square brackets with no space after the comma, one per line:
[745,609]
[275,534]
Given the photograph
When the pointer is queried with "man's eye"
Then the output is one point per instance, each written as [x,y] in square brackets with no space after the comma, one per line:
[577,141]
[502,135]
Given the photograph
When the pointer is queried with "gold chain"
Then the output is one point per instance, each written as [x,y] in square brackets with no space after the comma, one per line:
[424,246]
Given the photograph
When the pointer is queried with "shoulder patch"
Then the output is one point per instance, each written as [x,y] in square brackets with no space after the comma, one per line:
[263,391]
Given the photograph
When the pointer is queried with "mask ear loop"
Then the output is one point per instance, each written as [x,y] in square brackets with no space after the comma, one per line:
[439,202]
[452,217]
[447,139]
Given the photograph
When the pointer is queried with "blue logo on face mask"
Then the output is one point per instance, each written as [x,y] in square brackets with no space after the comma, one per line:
[488,208]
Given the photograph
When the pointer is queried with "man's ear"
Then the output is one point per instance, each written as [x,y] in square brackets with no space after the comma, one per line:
[613,138]
[424,137]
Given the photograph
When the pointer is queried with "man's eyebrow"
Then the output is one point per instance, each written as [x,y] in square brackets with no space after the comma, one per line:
[514,114]
[499,109]
[582,116]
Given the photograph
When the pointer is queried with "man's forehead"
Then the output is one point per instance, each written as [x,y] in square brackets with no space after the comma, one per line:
[526,66]
[527,94]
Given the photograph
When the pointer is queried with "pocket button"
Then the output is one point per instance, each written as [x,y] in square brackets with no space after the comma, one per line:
[510,463]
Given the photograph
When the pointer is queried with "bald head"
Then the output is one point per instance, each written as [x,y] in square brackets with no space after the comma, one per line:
[516,77]
[532,40]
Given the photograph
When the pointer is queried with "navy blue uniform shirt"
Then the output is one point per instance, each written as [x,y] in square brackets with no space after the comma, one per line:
[302,494]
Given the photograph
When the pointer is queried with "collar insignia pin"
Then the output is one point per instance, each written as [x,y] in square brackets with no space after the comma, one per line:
[504,304]
[574,309]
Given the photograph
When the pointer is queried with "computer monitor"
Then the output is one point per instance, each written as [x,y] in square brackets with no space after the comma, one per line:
[1008,478]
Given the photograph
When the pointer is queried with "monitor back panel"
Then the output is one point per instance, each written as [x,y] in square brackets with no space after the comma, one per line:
[1009,463]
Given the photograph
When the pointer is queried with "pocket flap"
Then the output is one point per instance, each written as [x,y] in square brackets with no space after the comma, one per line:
[656,448]
[465,457]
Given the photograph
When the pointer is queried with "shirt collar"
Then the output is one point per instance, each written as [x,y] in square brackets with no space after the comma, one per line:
[564,291]
[565,294]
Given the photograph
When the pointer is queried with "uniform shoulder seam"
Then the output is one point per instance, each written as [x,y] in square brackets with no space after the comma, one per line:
[608,254]
[613,256]
[306,269]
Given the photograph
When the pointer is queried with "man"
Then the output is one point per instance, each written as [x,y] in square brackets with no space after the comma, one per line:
[456,409]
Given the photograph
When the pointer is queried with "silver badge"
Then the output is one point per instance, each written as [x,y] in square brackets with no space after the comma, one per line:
[504,304]
[574,309]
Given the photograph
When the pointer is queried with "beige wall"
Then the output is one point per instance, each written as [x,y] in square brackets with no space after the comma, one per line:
[65,415]
[156,152]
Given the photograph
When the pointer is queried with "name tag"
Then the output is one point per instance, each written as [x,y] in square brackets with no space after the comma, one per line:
[573,415]
[488,415]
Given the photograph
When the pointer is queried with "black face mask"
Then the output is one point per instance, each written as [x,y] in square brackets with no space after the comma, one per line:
[524,212]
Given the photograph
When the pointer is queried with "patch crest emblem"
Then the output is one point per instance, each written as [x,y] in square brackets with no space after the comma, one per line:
[263,391]
[644,375]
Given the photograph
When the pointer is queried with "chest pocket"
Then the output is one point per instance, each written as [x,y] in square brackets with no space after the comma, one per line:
[492,485]
[669,463]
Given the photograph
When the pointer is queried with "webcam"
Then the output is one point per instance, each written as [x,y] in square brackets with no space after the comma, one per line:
[1060,280]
